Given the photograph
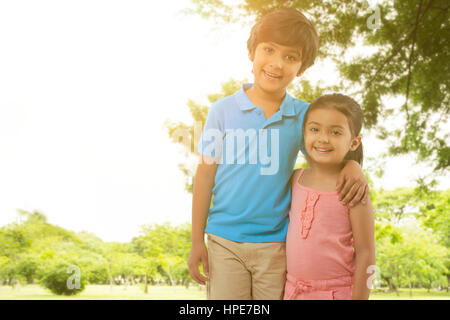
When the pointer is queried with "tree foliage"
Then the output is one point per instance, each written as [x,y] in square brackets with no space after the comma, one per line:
[184,134]
[55,277]
[412,249]
[391,49]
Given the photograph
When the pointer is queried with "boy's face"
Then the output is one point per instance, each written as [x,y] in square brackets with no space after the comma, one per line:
[275,66]
[328,136]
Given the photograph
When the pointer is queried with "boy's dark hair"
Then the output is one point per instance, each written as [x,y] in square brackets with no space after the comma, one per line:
[288,27]
[352,111]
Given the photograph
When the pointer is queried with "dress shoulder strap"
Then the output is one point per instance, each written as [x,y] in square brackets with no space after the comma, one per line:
[295,180]
[300,175]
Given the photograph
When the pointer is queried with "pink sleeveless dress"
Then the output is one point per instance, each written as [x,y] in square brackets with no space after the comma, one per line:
[319,246]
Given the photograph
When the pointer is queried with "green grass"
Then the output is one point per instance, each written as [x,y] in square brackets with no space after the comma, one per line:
[417,294]
[105,292]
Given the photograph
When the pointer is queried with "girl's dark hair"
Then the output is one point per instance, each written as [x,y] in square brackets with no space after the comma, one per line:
[352,111]
[288,27]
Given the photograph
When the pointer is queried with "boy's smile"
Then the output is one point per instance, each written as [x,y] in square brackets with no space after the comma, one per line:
[275,66]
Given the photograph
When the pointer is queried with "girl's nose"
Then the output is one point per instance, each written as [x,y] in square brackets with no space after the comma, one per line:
[323,138]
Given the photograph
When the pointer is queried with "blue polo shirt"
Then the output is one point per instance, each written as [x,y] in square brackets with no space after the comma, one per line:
[251,193]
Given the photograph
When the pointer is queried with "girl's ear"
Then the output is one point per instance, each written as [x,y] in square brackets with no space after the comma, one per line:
[355,143]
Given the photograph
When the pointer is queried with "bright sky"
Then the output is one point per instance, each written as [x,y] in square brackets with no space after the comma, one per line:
[85,88]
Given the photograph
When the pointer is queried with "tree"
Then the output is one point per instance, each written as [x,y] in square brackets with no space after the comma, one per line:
[165,249]
[184,134]
[410,256]
[434,213]
[57,277]
[172,266]
[148,266]
[410,248]
[29,248]
[14,242]
[395,205]
[407,48]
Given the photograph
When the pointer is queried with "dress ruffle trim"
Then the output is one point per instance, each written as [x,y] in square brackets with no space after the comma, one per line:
[308,213]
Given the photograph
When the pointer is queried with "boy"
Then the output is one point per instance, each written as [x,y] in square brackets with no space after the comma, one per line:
[248,221]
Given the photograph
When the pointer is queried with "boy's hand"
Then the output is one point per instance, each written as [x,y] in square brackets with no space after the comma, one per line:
[352,184]
[198,253]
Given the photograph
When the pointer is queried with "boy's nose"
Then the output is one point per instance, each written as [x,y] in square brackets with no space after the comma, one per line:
[277,63]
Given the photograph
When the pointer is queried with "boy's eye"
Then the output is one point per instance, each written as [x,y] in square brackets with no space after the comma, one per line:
[268,49]
[291,58]
[336,133]
[313,129]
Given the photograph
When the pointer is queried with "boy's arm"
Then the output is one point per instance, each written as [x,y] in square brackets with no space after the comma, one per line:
[201,200]
[362,220]
[352,184]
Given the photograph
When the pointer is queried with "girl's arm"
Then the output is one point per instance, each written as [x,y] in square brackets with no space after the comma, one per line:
[363,227]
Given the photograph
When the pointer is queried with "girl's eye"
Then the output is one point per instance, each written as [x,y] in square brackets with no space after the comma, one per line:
[336,133]
[314,129]
[268,49]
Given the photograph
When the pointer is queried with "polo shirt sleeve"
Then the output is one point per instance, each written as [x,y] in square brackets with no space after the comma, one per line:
[211,140]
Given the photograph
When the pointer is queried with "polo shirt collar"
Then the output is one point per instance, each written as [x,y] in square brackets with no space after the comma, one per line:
[242,99]
[287,105]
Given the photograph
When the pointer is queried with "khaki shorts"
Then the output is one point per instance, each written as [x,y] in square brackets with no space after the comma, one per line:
[245,271]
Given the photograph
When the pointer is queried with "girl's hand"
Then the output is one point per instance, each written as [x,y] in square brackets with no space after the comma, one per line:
[352,184]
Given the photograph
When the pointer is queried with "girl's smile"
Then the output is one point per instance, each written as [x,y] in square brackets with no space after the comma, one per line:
[323,150]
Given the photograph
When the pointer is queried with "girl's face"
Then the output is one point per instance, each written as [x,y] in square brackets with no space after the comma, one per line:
[328,136]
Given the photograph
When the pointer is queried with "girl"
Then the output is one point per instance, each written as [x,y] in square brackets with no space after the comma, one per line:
[329,245]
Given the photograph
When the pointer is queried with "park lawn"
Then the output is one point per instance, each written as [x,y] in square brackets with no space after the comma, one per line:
[417,294]
[105,292]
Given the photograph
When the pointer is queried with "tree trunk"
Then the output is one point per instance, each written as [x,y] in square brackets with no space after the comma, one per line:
[448,281]
[111,282]
[146,285]
[410,287]
[389,282]
[171,279]
[398,282]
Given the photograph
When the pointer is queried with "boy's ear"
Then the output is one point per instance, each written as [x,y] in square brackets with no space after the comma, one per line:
[251,56]
[355,143]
